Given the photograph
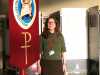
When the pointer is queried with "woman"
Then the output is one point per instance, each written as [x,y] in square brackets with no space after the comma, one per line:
[52,48]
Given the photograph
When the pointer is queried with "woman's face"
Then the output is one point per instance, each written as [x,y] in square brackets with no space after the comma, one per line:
[51,24]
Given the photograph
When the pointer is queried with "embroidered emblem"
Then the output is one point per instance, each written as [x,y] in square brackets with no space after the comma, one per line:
[24,12]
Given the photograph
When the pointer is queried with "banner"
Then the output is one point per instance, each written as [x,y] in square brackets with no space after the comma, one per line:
[23,32]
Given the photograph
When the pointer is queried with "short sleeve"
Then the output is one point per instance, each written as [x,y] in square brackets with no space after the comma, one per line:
[63,48]
[43,44]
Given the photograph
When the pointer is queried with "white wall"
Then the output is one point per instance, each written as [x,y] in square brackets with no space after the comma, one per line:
[74,29]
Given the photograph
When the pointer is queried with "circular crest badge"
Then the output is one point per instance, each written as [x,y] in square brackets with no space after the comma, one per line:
[24,12]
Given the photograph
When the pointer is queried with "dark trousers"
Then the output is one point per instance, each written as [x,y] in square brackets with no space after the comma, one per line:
[52,67]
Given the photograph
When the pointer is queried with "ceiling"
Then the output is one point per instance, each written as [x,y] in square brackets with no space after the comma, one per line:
[48,2]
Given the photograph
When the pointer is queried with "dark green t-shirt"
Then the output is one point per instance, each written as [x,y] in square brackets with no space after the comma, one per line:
[52,47]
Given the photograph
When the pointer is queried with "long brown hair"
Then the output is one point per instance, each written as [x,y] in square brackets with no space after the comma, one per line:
[45,33]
